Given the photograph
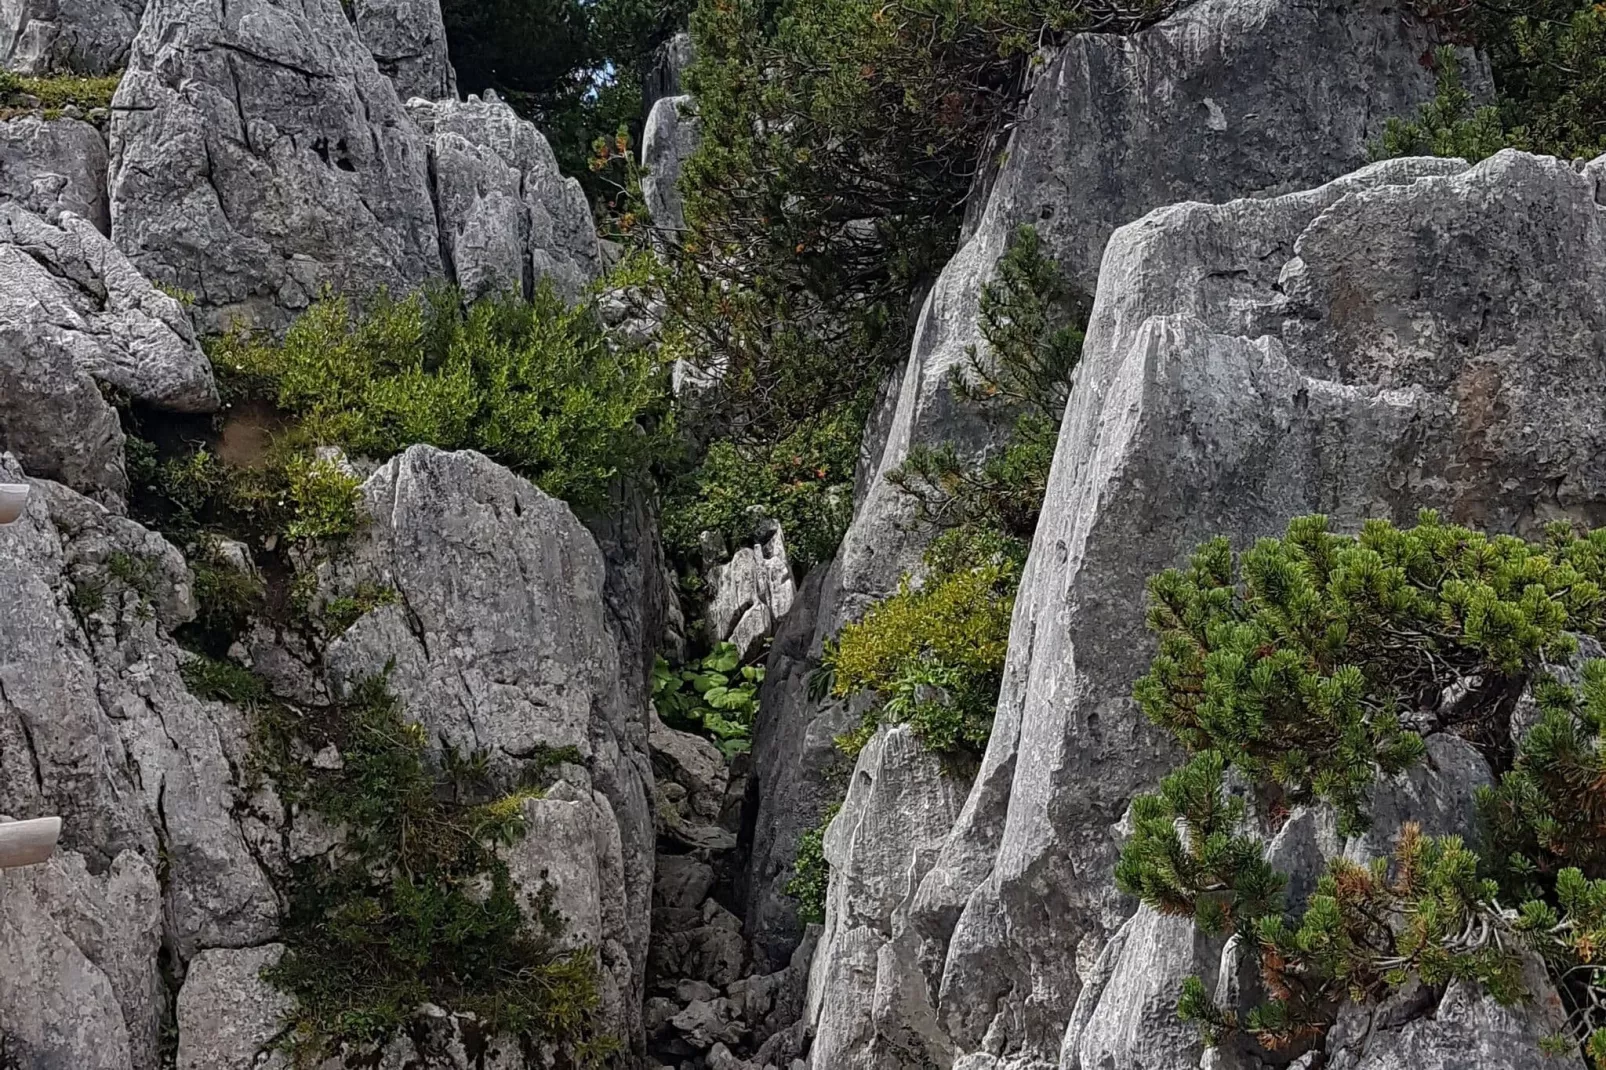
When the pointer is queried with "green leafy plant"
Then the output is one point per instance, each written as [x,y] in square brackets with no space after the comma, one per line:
[341,612]
[811,873]
[716,696]
[1451,124]
[933,654]
[226,598]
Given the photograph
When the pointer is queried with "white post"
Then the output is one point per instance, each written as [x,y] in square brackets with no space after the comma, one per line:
[27,843]
[13,500]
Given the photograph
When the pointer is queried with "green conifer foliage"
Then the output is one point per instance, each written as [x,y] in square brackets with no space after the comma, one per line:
[1300,665]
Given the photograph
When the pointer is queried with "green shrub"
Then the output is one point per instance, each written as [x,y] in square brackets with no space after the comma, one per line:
[1299,665]
[811,878]
[226,599]
[933,654]
[536,385]
[418,907]
[57,91]
[716,696]
[327,497]
[1548,58]
[805,482]
[839,141]
[1451,124]
[340,613]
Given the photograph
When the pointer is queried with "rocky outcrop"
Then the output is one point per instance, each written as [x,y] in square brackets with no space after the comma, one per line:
[866,994]
[1257,360]
[667,142]
[751,592]
[408,41]
[666,76]
[97,726]
[1228,98]
[259,155]
[49,166]
[508,217]
[74,313]
[83,36]
[520,670]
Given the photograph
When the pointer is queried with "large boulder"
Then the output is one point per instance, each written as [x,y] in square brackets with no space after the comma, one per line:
[97,726]
[259,155]
[1228,98]
[53,165]
[508,216]
[74,313]
[528,671]
[82,36]
[1416,335]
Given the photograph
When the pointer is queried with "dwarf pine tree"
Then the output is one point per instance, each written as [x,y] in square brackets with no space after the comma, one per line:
[1307,666]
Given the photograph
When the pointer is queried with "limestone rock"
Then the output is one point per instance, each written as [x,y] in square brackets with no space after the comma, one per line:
[53,165]
[667,141]
[97,726]
[1248,363]
[518,669]
[866,992]
[258,155]
[1114,127]
[73,311]
[693,763]
[82,36]
[666,76]
[751,592]
[508,216]
[228,1016]
[408,41]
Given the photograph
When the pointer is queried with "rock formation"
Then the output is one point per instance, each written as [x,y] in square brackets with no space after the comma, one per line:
[87,36]
[1275,95]
[507,216]
[74,314]
[55,165]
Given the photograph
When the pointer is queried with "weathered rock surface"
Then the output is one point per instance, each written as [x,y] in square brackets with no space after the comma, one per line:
[228,1016]
[97,726]
[53,165]
[1228,98]
[82,36]
[1247,363]
[867,998]
[408,41]
[667,142]
[258,155]
[666,77]
[518,669]
[73,313]
[751,591]
[508,217]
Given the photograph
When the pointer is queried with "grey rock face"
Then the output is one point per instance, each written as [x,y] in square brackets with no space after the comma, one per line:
[751,592]
[408,41]
[51,166]
[228,1016]
[81,36]
[667,141]
[508,217]
[1212,401]
[74,311]
[258,154]
[1228,98]
[518,669]
[666,78]
[867,997]
[97,726]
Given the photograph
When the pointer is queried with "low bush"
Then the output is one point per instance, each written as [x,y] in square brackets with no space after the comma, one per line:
[536,385]
[417,906]
[1302,665]
[933,654]
[811,873]
[57,91]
